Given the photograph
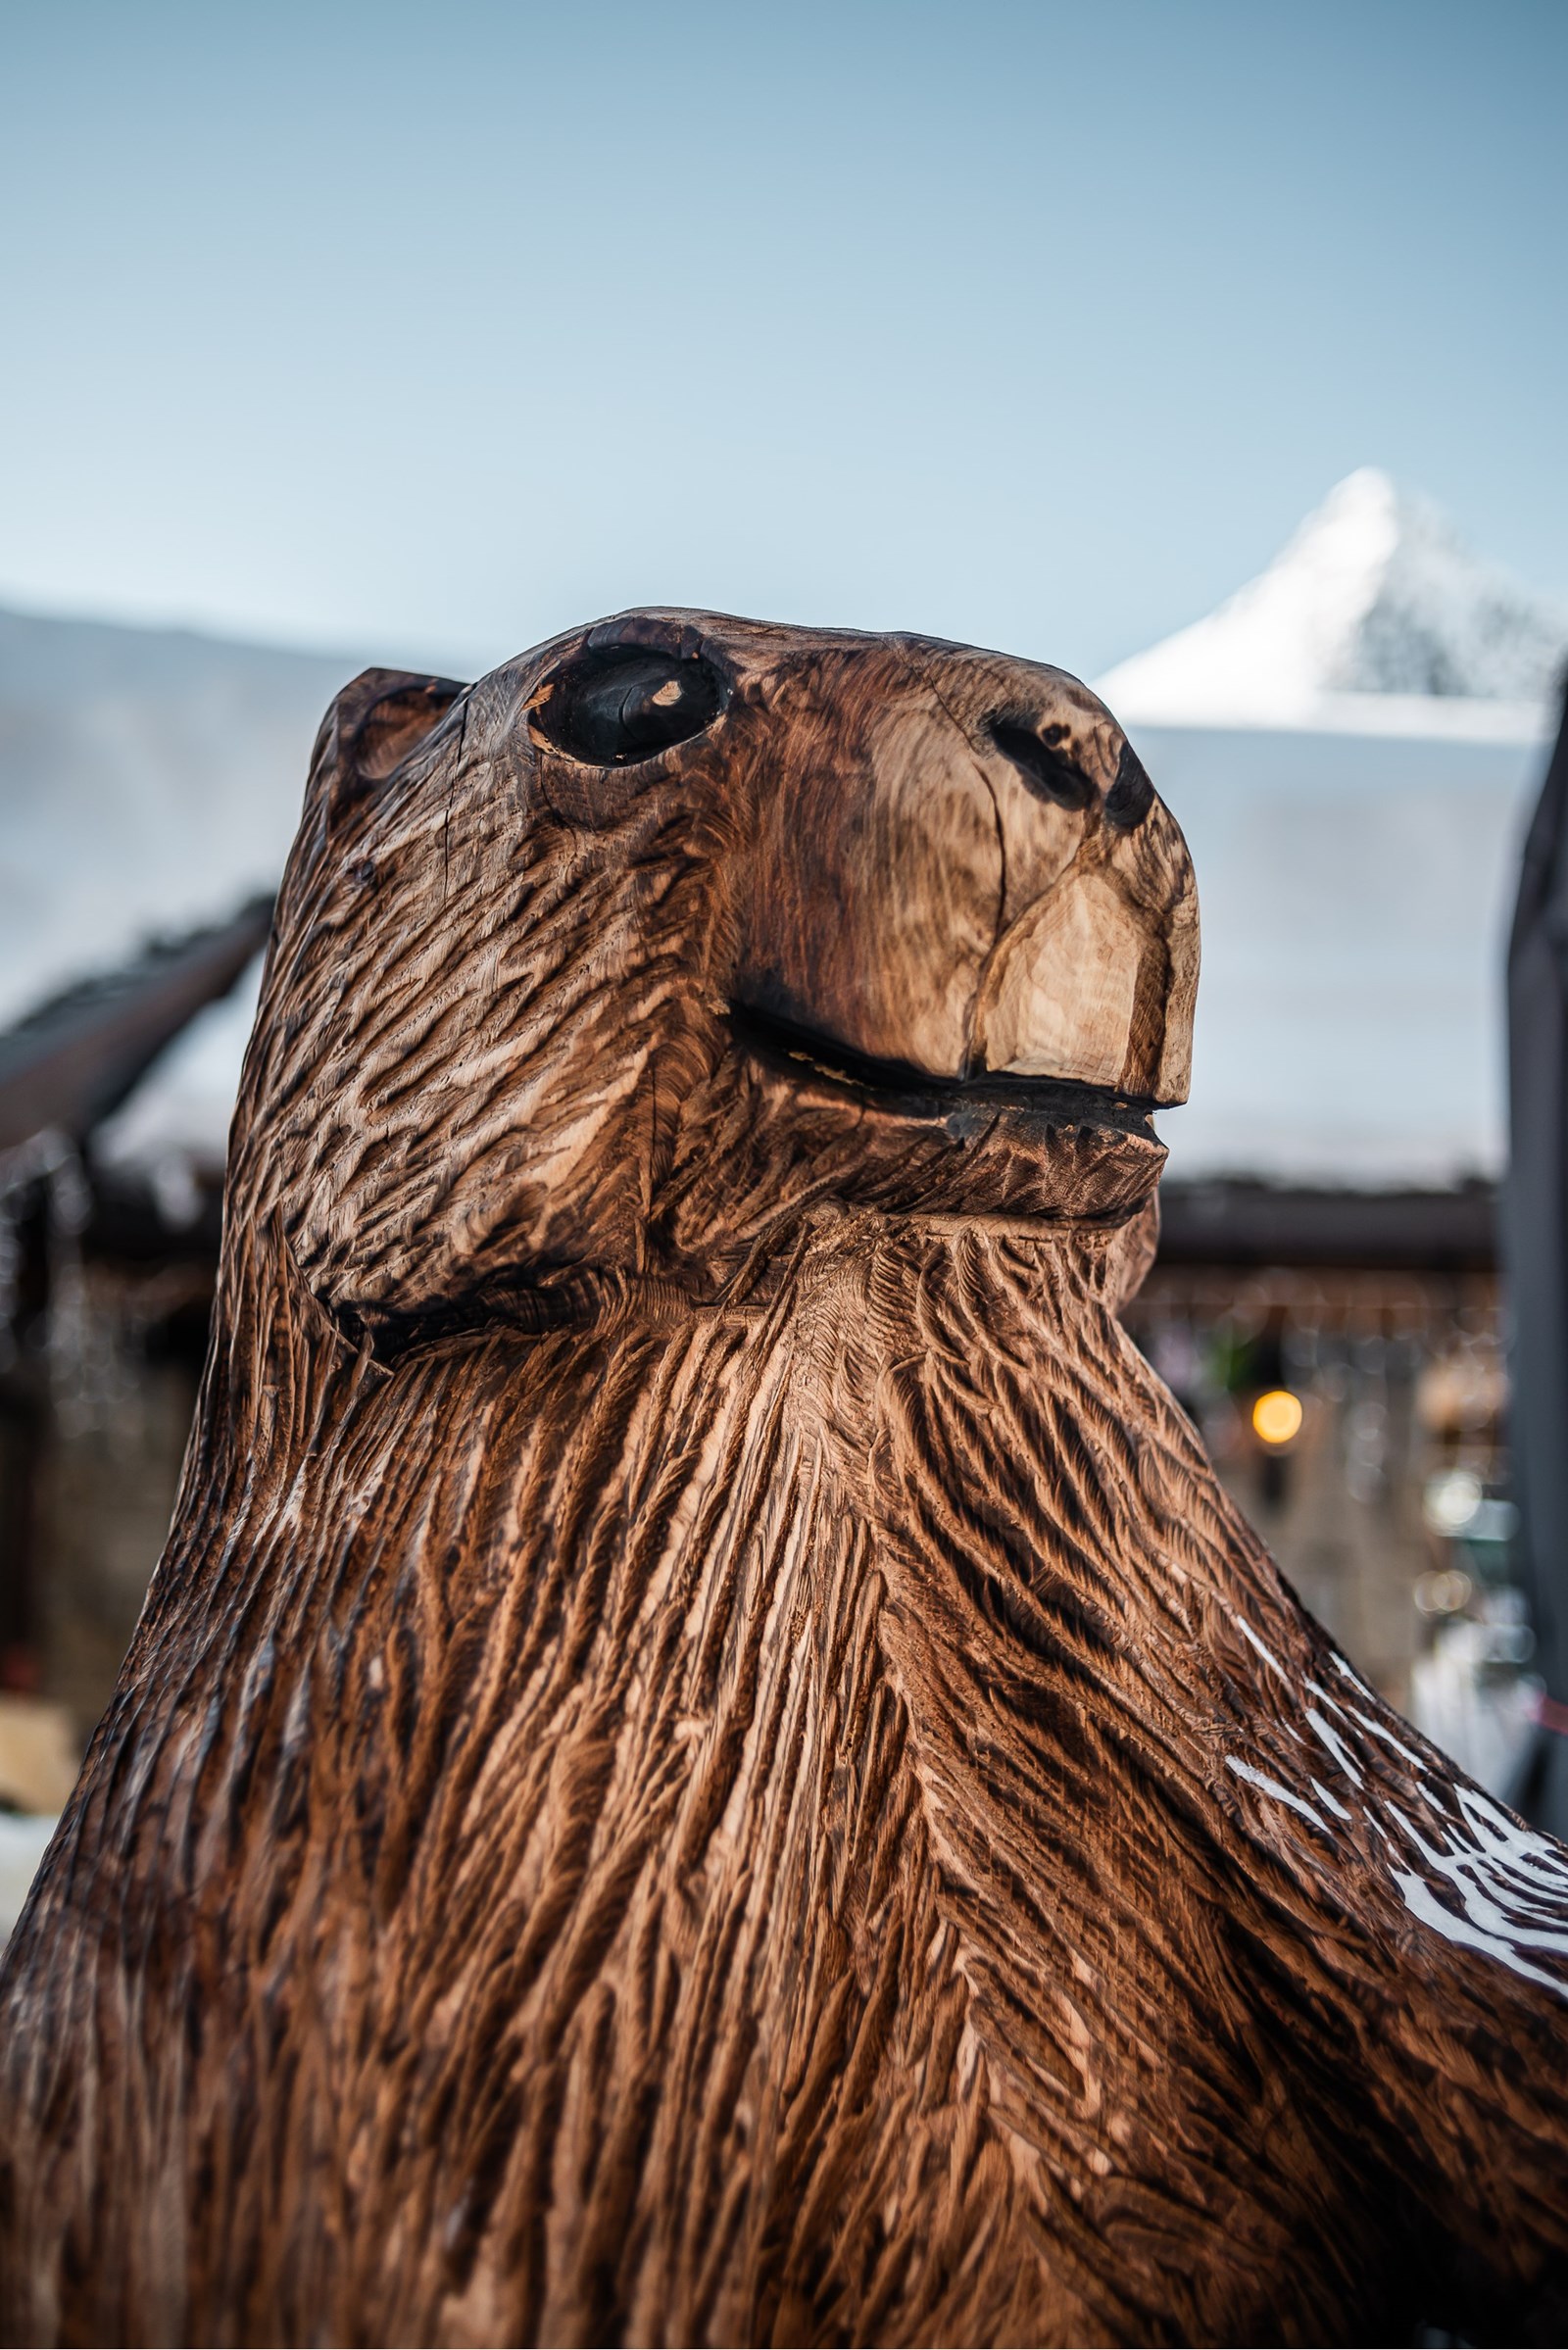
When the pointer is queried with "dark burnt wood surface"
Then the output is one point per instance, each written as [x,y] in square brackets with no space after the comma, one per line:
[707,1760]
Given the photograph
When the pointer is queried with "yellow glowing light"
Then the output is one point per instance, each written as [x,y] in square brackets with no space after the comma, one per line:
[1277,1416]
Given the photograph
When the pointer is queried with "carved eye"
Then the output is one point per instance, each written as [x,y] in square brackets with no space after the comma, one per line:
[614,706]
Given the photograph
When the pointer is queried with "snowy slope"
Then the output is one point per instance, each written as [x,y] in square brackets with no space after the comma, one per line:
[149,780]
[1374,600]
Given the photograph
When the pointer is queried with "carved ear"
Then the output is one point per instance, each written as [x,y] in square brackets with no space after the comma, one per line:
[370,728]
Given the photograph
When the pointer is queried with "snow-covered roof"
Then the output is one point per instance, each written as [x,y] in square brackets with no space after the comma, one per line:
[176,1124]
[1354,894]
[150,781]
[1351,743]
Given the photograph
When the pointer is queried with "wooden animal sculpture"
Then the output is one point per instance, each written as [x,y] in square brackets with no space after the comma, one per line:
[707,1761]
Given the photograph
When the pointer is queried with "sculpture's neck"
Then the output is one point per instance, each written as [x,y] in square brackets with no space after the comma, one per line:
[946,1425]
[963,1395]
[1008,1331]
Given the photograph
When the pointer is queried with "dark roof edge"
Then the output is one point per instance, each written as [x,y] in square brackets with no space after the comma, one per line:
[1241,1223]
[75,1059]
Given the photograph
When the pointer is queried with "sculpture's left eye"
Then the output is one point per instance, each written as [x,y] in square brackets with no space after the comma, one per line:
[611,708]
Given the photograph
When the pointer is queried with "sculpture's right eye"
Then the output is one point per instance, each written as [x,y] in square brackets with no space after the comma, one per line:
[614,706]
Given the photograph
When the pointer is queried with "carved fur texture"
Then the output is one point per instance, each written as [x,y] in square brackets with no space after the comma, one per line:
[707,1760]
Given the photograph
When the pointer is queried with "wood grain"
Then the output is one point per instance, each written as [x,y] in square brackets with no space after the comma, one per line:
[707,1760]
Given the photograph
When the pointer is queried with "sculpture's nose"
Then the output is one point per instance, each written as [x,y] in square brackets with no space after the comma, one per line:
[1053,778]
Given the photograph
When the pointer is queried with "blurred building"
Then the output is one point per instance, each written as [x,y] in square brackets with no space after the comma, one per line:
[1343,1353]
[150,783]
[105,1281]
[1353,744]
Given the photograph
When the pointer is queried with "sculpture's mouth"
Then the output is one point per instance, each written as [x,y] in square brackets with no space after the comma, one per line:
[533,1301]
[903,1091]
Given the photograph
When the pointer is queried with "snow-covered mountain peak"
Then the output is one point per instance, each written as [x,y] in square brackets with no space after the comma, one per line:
[1375,595]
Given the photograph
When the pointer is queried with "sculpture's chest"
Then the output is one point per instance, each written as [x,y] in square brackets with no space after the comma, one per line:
[636,1828]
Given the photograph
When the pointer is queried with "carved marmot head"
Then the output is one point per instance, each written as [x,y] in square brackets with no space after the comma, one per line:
[681,925]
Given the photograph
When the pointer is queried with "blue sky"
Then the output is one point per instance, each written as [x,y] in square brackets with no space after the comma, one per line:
[425,331]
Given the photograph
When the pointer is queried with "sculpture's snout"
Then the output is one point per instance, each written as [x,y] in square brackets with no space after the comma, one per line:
[1096,979]
[981,880]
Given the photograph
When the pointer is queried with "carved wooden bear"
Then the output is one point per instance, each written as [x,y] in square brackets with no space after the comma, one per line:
[707,1761]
